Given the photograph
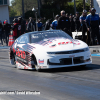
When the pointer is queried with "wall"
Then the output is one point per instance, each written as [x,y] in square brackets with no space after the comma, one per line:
[4,13]
[97,5]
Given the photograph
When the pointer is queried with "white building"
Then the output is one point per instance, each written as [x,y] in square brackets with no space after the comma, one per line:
[4,12]
[96,4]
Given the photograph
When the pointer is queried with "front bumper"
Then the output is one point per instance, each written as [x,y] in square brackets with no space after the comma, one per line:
[67,60]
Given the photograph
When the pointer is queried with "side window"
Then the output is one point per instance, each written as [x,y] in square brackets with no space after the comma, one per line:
[23,40]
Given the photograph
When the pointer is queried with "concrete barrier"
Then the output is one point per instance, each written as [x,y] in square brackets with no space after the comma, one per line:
[95,49]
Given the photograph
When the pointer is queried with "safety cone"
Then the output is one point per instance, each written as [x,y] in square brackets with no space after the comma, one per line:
[11,40]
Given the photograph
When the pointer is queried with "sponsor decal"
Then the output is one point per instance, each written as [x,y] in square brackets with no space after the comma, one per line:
[20,59]
[25,67]
[21,54]
[77,43]
[41,61]
[69,42]
[31,48]
[64,42]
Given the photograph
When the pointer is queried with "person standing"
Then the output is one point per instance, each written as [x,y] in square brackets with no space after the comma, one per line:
[92,20]
[55,22]
[83,24]
[31,25]
[15,29]
[64,23]
[48,24]
[1,30]
[77,22]
[7,28]
[21,26]
[26,26]
[67,15]
[72,23]
[39,25]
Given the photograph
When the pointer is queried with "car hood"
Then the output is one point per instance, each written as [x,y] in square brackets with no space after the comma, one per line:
[60,44]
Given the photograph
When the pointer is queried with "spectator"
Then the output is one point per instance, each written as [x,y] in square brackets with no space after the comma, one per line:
[1,30]
[55,22]
[93,26]
[48,24]
[21,26]
[83,24]
[67,15]
[26,25]
[39,24]
[64,23]
[77,22]
[72,23]
[31,25]
[15,28]
[7,28]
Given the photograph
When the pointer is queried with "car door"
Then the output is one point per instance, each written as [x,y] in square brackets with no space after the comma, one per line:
[21,50]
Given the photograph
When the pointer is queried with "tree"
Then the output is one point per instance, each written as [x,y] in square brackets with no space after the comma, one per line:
[88,1]
[28,5]
[12,12]
[56,3]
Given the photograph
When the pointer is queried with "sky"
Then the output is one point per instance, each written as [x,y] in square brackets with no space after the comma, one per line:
[10,1]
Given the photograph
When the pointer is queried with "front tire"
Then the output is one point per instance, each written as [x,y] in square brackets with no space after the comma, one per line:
[34,61]
[37,68]
[14,59]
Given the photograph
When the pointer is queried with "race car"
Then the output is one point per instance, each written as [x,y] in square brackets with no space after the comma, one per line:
[48,49]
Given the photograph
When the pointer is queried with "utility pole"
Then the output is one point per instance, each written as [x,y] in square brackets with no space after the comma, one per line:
[38,7]
[23,15]
[91,3]
[83,4]
[74,7]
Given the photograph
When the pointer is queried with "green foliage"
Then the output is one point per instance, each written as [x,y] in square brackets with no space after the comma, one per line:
[60,2]
[79,6]
[48,10]
[12,13]
[17,5]
[28,5]
[88,1]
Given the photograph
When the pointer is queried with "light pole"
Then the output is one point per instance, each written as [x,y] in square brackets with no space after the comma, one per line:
[23,15]
[91,3]
[38,7]
[34,10]
[83,4]
[74,7]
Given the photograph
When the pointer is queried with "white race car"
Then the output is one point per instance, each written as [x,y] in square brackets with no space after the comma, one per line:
[48,49]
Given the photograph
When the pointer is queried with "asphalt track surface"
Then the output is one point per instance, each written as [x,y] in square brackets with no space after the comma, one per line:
[73,83]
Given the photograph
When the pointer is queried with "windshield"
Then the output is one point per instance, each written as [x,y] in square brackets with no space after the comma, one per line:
[47,35]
